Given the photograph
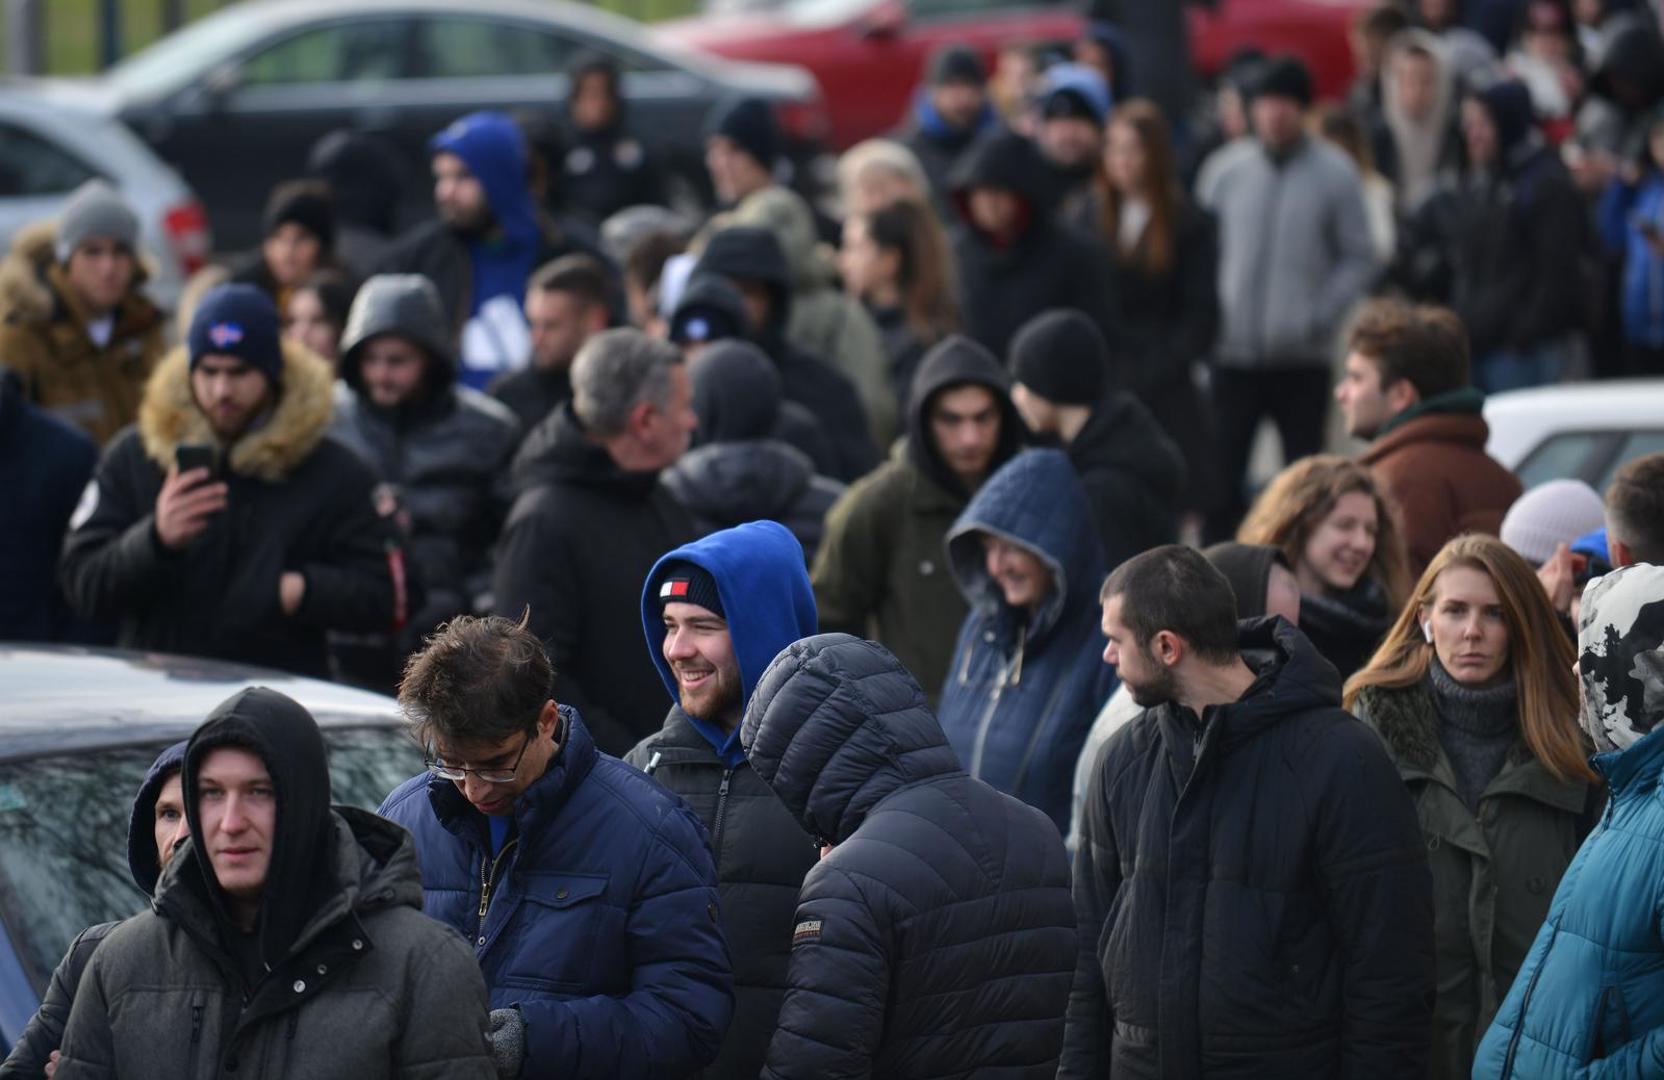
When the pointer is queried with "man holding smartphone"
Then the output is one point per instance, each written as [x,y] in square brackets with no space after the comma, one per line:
[225,523]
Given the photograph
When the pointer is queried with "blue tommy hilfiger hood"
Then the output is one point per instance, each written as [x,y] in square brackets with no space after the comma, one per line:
[765,593]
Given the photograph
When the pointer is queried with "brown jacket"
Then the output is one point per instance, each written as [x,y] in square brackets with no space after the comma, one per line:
[43,339]
[1434,469]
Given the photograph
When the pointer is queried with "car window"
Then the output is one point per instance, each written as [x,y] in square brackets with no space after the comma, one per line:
[465,48]
[1636,444]
[30,165]
[365,50]
[63,837]
[1559,456]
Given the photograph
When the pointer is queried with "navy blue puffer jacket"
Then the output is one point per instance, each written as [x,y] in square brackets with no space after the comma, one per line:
[1253,892]
[603,924]
[937,938]
[1023,690]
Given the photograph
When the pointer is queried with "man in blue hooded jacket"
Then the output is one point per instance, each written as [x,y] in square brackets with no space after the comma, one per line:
[716,613]
[485,243]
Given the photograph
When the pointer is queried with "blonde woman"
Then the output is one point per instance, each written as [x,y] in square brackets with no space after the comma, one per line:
[1474,695]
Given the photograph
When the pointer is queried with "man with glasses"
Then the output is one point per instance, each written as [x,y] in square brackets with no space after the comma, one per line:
[587,891]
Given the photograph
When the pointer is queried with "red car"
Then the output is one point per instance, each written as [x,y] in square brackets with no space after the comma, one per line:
[868,55]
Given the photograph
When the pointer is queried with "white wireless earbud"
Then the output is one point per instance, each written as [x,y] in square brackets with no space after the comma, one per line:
[1427,631]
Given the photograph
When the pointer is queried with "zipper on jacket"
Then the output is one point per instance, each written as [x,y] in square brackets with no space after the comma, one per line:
[721,815]
[196,1038]
[1525,1003]
[488,880]
[1014,665]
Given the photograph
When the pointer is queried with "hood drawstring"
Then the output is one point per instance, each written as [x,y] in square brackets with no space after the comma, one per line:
[1011,674]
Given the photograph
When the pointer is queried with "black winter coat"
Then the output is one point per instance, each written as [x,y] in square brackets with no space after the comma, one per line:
[1133,474]
[45,1031]
[1048,266]
[298,501]
[532,394]
[1253,892]
[937,938]
[761,856]
[729,483]
[577,546]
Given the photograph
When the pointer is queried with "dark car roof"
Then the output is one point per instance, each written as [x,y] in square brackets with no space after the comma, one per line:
[59,699]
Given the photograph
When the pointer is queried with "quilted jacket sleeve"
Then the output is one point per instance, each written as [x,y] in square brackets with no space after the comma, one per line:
[675,1017]
[1086,1038]
[112,561]
[45,1031]
[444,1035]
[837,984]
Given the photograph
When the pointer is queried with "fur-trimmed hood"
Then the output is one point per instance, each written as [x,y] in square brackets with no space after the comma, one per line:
[30,281]
[169,416]
[1408,722]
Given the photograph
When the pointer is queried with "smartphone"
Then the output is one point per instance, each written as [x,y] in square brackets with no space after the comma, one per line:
[188,456]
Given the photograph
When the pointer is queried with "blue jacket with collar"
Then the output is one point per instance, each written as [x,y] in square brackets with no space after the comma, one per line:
[602,924]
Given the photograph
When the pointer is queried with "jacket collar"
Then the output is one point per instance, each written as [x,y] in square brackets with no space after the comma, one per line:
[1466,401]
[168,416]
[538,807]
[1633,773]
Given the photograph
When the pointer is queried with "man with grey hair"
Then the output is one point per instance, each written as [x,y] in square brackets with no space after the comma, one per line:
[590,519]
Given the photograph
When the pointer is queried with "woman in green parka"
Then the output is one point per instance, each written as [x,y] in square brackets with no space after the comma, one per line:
[1474,694]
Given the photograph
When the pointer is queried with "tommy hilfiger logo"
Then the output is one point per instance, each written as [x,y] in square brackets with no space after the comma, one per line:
[673,587]
[807,932]
[225,334]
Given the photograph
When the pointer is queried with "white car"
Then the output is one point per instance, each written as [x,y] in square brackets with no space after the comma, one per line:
[1580,431]
[52,140]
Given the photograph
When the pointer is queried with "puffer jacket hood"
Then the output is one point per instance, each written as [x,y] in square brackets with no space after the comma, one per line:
[958,361]
[494,149]
[1293,676]
[835,725]
[784,213]
[1007,160]
[764,586]
[1036,501]
[405,305]
[736,393]
[301,871]
[558,451]
[752,253]
[143,860]
[295,426]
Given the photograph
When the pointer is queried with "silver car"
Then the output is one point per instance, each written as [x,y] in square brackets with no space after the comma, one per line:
[53,139]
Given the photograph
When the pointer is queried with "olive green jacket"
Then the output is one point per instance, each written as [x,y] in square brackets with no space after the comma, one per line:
[1493,874]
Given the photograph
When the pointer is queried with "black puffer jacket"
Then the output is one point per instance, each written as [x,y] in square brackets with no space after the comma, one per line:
[937,938]
[1047,267]
[1253,893]
[1133,474]
[739,472]
[446,452]
[576,548]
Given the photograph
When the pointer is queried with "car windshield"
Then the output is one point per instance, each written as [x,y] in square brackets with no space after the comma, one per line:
[182,56]
[63,833]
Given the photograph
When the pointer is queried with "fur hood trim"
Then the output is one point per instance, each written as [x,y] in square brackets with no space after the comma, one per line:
[1409,723]
[26,293]
[169,416]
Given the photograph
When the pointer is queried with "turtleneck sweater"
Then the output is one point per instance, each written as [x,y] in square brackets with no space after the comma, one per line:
[1477,728]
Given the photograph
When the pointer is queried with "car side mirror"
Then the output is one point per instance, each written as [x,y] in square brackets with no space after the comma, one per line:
[885,22]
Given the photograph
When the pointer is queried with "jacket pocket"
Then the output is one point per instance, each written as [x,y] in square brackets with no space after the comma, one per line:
[562,924]
[1608,1026]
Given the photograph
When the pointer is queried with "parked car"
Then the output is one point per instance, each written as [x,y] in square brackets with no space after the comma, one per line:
[78,730]
[236,99]
[1581,432]
[868,55]
[51,143]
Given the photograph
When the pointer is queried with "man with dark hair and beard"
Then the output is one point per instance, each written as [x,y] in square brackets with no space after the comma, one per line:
[485,243]
[1271,892]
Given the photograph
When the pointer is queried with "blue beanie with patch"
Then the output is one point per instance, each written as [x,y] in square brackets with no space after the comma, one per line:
[239,321]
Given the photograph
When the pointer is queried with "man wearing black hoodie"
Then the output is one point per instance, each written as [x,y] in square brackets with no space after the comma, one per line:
[752,260]
[590,517]
[156,829]
[290,934]
[1014,260]
[606,168]
[882,569]
[1066,389]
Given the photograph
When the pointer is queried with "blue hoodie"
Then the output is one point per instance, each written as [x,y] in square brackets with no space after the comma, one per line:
[143,860]
[494,149]
[760,577]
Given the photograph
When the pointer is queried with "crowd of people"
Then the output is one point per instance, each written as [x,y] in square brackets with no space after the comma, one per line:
[969,765]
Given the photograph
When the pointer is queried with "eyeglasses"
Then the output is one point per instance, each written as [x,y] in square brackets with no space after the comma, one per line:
[438,767]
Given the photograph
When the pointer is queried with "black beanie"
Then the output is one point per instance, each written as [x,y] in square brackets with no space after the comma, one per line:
[683,582]
[1284,76]
[304,203]
[1248,568]
[1061,356]
[240,321]
[956,63]
[750,123]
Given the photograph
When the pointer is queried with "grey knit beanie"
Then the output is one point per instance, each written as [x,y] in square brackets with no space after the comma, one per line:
[95,210]
[1550,514]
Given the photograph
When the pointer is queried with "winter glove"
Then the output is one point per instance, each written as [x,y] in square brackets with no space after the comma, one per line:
[508,1042]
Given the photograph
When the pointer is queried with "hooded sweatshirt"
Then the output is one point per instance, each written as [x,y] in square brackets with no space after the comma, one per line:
[1024,688]
[1418,155]
[1133,475]
[740,471]
[882,567]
